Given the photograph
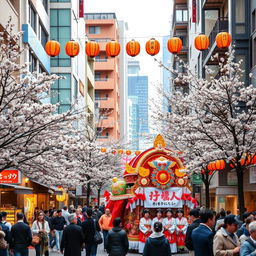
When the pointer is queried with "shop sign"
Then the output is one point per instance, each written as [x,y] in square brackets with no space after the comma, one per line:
[61,198]
[169,198]
[252,174]
[196,179]
[232,178]
[10,177]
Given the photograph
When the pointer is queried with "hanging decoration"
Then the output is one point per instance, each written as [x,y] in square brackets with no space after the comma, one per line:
[112,48]
[52,48]
[202,42]
[128,152]
[103,150]
[174,45]
[120,151]
[72,48]
[133,48]
[223,40]
[137,152]
[152,47]
[92,49]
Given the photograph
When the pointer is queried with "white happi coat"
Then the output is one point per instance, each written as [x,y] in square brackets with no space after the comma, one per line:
[172,230]
[143,229]
[182,221]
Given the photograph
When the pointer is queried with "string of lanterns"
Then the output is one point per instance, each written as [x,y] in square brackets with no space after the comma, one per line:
[152,47]
[121,151]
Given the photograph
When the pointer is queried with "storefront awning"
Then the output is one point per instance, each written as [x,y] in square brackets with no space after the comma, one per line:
[51,189]
[18,189]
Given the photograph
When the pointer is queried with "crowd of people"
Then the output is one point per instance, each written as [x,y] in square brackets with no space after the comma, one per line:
[70,231]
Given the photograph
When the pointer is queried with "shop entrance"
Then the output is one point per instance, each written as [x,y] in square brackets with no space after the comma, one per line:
[30,202]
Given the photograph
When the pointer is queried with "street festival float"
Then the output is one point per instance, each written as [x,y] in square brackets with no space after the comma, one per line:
[156,178]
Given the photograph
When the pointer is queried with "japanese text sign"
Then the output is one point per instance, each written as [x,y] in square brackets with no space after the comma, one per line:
[10,176]
[169,198]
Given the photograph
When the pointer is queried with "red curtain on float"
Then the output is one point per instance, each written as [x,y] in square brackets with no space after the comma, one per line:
[116,208]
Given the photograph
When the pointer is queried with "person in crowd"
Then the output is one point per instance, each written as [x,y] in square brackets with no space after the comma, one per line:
[242,230]
[104,223]
[5,229]
[79,216]
[202,236]
[169,224]
[41,228]
[83,209]
[3,243]
[20,237]
[4,217]
[226,241]
[220,220]
[195,221]
[58,223]
[36,210]
[47,215]
[52,235]
[73,238]
[117,241]
[181,229]
[96,213]
[228,212]
[244,237]
[145,229]
[89,227]
[159,217]
[157,244]
[102,208]
[65,214]
[248,248]
[71,209]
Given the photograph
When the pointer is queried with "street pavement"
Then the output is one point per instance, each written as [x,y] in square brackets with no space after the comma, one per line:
[100,252]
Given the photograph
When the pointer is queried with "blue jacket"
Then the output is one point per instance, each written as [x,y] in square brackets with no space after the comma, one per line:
[202,238]
[248,248]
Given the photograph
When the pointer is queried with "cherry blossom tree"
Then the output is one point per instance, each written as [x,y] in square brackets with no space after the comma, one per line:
[215,120]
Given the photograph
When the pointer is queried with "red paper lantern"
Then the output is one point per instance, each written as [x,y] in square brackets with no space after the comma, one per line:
[137,152]
[72,48]
[174,45]
[152,47]
[223,40]
[112,48]
[92,49]
[128,152]
[52,48]
[133,48]
[202,42]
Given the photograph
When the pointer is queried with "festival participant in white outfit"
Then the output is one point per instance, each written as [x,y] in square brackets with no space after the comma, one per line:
[158,218]
[169,224]
[145,229]
[181,229]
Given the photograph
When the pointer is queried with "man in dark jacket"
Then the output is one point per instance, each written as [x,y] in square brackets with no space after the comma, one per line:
[89,227]
[117,241]
[73,238]
[195,221]
[202,236]
[20,237]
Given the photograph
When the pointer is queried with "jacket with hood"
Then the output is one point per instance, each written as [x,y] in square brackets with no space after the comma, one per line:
[158,245]
[117,242]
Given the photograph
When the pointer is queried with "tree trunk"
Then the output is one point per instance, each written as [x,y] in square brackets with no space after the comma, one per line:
[240,188]
[88,193]
[207,192]
[99,197]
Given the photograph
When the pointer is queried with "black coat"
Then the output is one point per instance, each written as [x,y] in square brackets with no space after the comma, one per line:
[21,236]
[158,246]
[72,240]
[88,227]
[117,242]
[188,240]
[202,238]
[58,223]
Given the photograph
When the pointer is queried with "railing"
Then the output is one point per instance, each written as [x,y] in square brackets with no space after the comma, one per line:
[101,60]
[220,25]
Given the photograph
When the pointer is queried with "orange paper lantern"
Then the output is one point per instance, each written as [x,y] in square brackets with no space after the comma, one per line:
[133,48]
[92,49]
[103,150]
[220,164]
[112,48]
[72,48]
[202,42]
[223,40]
[128,152]
[52,48]
[137,152]
[152,47]
[120,151]
[174,45]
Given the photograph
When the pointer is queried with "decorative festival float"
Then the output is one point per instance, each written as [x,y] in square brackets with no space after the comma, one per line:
[156,178]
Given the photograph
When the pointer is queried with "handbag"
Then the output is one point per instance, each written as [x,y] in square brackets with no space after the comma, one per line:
[36,239]
[97,236]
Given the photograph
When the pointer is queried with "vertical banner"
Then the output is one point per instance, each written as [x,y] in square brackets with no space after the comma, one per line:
[81,8]
[194,11]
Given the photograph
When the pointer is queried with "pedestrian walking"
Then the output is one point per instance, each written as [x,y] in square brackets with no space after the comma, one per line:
[73,238]
[195,221]
[65,214]
[4,217]
[52,235]
[96,213]
[117,241]
[58,224]
[226,241]
[104,223]
[20,237]
[220,220]
[5,229]
[40,227]
[157,244]
[249,246]
[202,236]
[89,227]
[244,237]
[80,217]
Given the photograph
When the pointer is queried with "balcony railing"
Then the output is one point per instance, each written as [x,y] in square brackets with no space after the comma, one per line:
[220,25]
[101,60]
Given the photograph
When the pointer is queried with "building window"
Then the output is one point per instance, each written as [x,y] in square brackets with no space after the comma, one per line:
[32,62]
[61,31]
[240,16]
[61,93]
[182,15]
[43,35]
[94,30]
[32,17]
[45,4]
[97,76]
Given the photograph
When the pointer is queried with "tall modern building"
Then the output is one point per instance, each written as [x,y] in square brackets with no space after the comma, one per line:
[138,87]
[103,27]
